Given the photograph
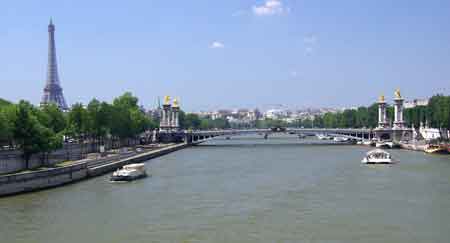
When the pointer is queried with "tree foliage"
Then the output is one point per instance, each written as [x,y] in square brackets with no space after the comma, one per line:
[78,123]
[30,135]
[436,113]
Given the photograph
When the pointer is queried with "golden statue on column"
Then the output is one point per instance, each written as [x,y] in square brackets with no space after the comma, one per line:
[175,103]
[397,94]
[166,100]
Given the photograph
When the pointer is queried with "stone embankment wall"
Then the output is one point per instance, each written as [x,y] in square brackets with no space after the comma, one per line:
[32,181]
[12,161]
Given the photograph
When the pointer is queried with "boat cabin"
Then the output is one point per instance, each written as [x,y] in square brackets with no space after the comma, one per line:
[378,154]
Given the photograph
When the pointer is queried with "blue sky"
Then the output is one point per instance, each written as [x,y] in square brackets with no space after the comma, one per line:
[225,54]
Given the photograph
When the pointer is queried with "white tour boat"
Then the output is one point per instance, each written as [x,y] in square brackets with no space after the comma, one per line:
[377,156]
[340,139]
[323,137]
[384,144]
[129,172]
[369,142]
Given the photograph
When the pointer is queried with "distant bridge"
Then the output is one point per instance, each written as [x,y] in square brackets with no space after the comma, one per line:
[195,137]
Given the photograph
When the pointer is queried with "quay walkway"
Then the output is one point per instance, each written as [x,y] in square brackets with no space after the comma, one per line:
[22,182]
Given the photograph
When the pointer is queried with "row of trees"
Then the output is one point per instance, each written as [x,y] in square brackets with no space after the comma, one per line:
[436,113]
[31,129]
[193,121]
[121,120]
[41,130]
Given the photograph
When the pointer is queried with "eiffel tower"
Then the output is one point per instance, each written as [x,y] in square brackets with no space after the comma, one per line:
[53,91]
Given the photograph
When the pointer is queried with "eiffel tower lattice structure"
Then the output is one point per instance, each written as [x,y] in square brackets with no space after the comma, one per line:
[53,92]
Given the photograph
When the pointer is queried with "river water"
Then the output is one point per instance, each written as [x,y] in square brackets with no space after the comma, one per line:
[247,190]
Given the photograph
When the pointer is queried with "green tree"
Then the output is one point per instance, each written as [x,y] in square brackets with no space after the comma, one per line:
[52,117]
[4,103]
[7,117]
[373,115]
[5,127]
[191,121]
[30,135]
[362,117]
[127,100]
[140,121]
[205,124]
[128,120]
[221,123]
[439,111]
[307,123]
[329,120]
[78,123]
[319,121]
[99,118]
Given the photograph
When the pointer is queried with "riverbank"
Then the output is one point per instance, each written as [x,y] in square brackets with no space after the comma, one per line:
[76,171]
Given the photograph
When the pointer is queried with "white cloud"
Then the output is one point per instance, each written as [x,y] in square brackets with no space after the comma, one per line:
[216,44]
[310,40]
[270,7]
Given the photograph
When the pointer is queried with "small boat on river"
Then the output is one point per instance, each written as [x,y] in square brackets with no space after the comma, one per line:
[377,156]
[323,137]
[384,144]
[340,139]
[129,173]
[436,149]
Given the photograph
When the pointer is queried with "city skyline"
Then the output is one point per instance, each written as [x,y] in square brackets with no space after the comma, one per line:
[250,53]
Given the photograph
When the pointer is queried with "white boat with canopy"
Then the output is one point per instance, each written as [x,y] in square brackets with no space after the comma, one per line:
[129,172]
[377,156]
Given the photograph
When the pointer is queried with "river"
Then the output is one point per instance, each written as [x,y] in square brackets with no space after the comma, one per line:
[246,190]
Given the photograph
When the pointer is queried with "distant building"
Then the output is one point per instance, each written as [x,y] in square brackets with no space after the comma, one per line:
[156,113]
[429,133]
[275,114]
[415,102]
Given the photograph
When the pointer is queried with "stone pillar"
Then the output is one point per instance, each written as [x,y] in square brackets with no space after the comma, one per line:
[165,120]
[162,120]
[382,123]
[177,119]
[169,118]
[172,120]
[398,113]
[399,130]
[175,112]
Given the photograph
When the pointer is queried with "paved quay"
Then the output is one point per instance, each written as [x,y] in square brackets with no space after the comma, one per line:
[77,170]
